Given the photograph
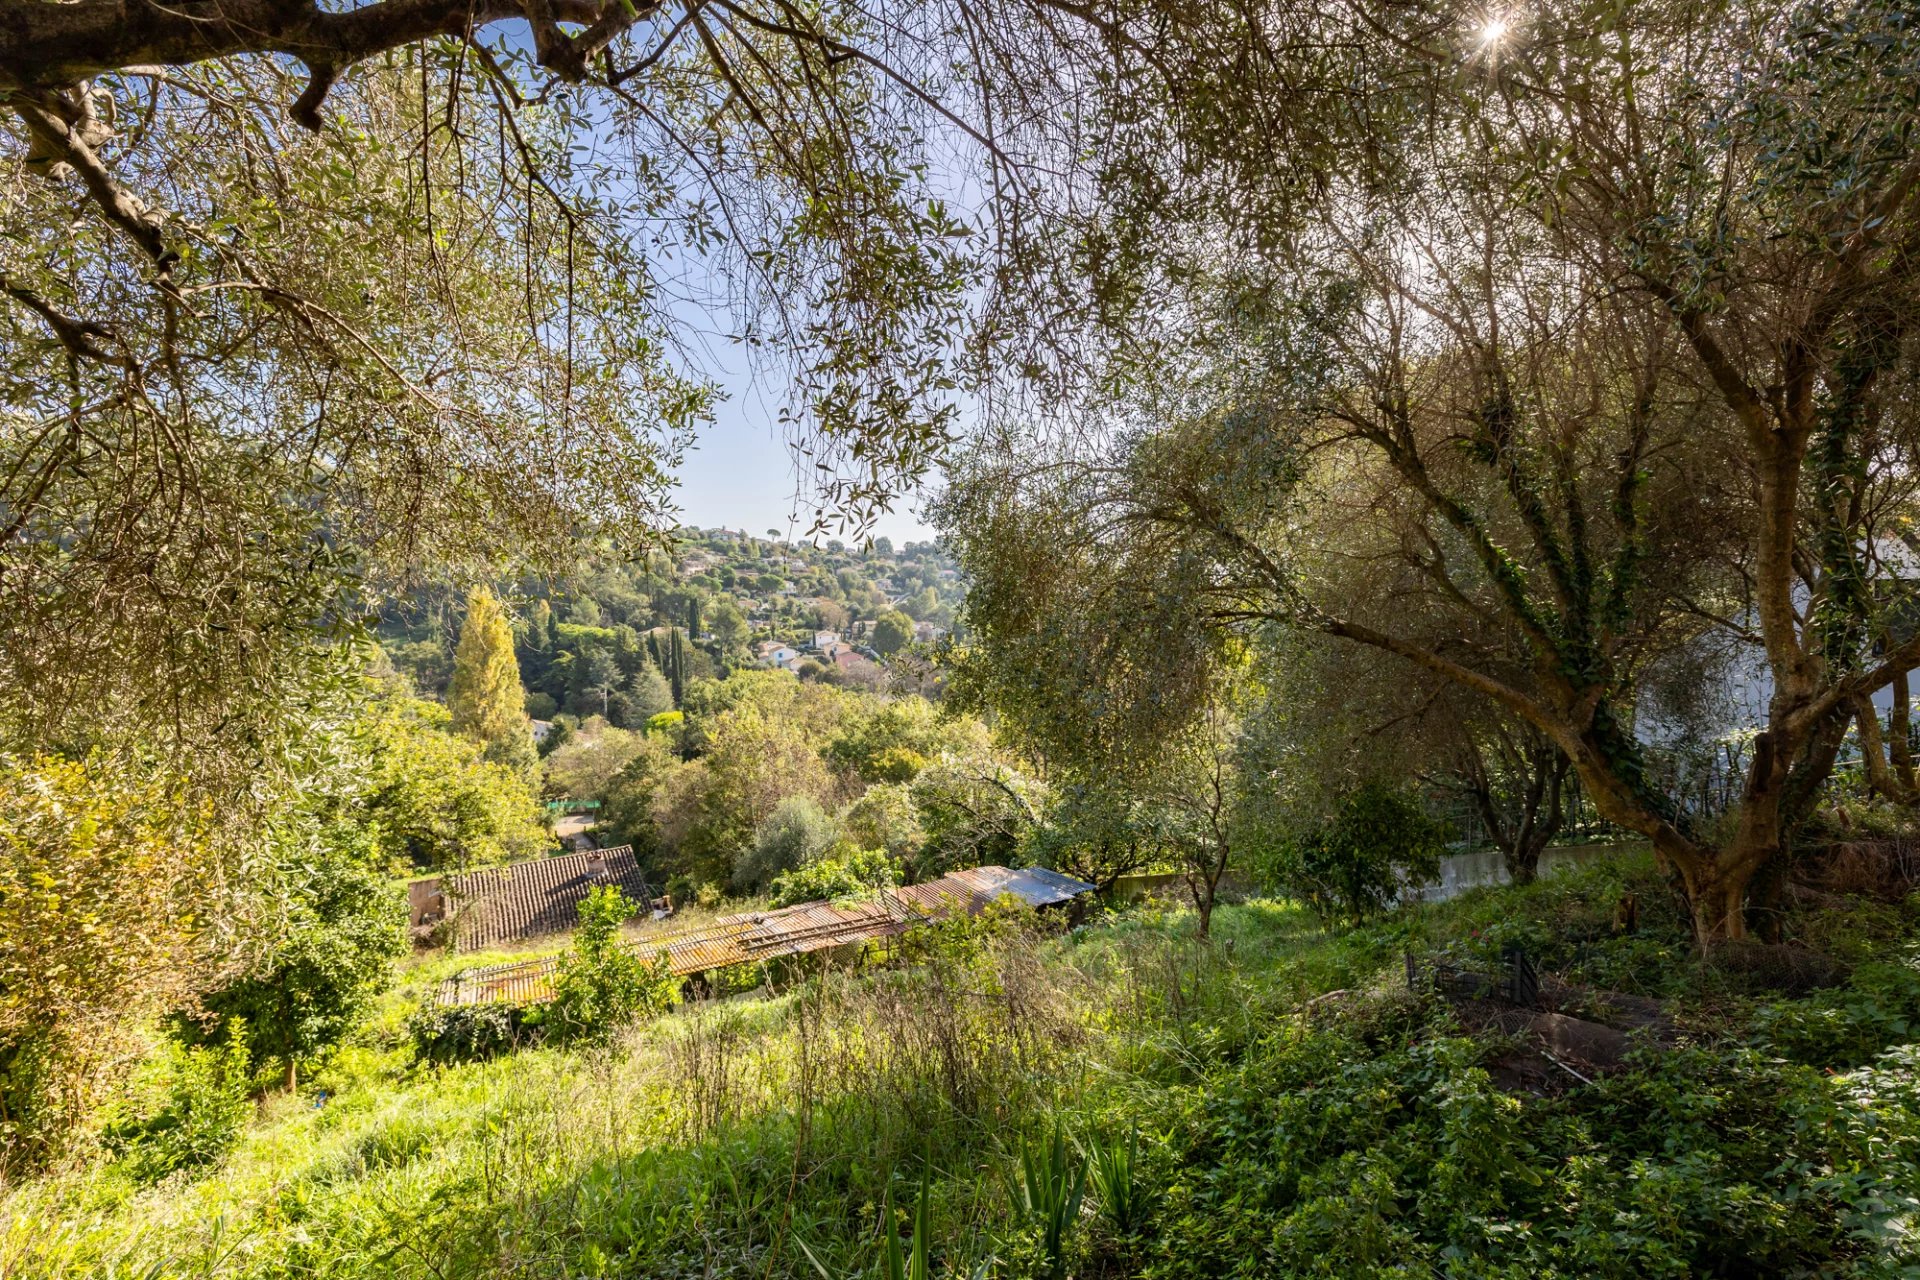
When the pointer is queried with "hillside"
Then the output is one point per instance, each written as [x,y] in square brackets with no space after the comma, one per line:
[1297,1112]
[602,641]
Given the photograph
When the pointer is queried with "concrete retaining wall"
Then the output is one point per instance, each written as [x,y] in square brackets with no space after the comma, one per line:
[1460,872]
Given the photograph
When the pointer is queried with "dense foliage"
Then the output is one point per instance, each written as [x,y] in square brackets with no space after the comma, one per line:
[335,951]
[1355,862]
[846,873]
[205,1103]
[1536,355]
[446,1034]
[431,799]
[99,931]
[623,639]
[114,923]
[764,774]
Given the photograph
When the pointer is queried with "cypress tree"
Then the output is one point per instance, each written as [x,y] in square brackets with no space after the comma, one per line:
[535,649]
[485,697]
[678,676]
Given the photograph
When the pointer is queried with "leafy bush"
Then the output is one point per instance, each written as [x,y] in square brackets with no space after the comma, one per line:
[1847,1026]
[849,873]
[469,1033]
[205,1113]
[344,930]
[603,985]
[896,764]
[1351,866]
[102,899]
[798,832]
[434,799]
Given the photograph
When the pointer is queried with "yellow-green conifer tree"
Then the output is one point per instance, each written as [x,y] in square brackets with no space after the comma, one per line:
[485,697]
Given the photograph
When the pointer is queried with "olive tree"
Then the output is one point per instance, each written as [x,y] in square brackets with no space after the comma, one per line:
[299,300]
[1590,331]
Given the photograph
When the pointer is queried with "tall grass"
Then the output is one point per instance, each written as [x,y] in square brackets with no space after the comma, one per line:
[703,1143]
[1223,1120]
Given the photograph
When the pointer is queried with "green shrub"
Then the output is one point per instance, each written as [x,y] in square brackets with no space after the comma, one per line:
[843,875]
[798,832]
[469,1033]
[1351,866]
[1849,1025]
[604,985]
[206,1111]
[343,932]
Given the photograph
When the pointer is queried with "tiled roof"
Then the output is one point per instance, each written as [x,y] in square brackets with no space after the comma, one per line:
[530,899]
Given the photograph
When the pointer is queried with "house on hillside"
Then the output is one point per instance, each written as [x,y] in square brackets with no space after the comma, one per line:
[853,663]
[522,900]
[825,640]
[772,654]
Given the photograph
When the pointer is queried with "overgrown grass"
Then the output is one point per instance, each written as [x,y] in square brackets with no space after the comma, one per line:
[1355,1136]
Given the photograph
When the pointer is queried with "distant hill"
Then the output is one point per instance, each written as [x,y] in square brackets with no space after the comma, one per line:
[622,639]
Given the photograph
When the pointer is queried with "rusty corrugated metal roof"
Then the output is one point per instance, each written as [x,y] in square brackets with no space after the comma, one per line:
[809,926]
[516,982]
[785,931]
[979,886]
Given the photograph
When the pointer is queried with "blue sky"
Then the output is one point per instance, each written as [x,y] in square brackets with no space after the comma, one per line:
[740,472]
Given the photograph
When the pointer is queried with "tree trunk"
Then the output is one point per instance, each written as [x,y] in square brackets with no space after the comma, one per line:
[1714,879]
[1717,903]
[292,1078]
[1200,889]
[1544,819]
[1521,837]
[1899,729]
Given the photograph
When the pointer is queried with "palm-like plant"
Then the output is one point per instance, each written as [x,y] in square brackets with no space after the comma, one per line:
[1111,1167]
[1047,1190]
[908,1261]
